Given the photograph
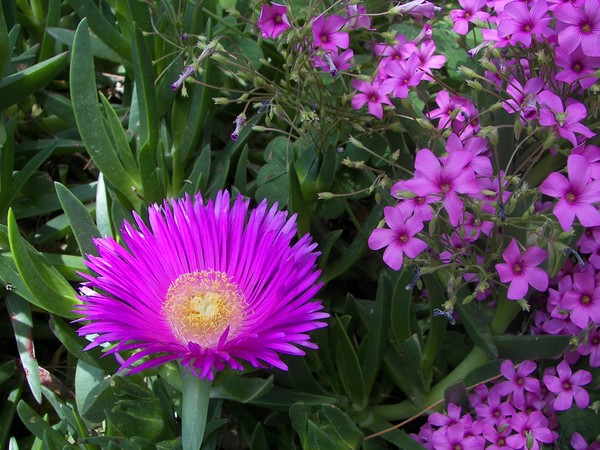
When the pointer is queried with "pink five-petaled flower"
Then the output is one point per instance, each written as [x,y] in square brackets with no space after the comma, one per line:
[521,23]
[530,428]
[470,12]
[521,270]
[583,301]
[567,386]
[455,177]
[372,93]
[399,238]
[327,34]
[566,121]
[583,27]
[517,381]
[576,195]
[403,74]
[273,21]
[334,62]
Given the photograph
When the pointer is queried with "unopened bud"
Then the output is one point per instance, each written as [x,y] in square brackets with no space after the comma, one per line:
[467,71]
[239,121]
[325,195]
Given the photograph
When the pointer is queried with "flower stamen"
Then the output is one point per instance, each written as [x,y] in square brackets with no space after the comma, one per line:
[200,306]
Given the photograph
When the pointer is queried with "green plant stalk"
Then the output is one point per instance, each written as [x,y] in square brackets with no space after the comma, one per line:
[505,313]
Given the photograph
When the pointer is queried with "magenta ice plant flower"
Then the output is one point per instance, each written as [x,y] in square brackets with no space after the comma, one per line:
[565,121]
[576,195]
[521,271]
[273,20]
[567,387]
[455,177]
[373,94]
[327,34]
[204,283]
[580,27]
[399,238]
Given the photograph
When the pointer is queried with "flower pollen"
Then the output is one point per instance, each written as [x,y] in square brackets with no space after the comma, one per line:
[585,299]
[200,306]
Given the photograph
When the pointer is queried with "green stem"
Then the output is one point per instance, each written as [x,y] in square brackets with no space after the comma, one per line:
[194,409]
[505,313]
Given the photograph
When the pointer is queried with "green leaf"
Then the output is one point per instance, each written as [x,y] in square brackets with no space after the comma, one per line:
[196,395]
[52,19]
[198,179]
[21,177]
[280,399]
[117,133]
[346,359]
[39,427]
[83,227]
[75,345]
[89,12]
[145,90]
[401,309]
[99,48]
[326,176]
[477,327]
[241,172]
[344,428]
[355,251]
[378,324]
[298,203]
[435,337]
[8,411]
[19,86]
[519,348]
[4,43]
[142,418]
[396,437]
[100,398]
[20,315]
[251,50]
[7,370]
[87,378]
[88,116]
[231,386]
[50,290]
[326,246]
[150,175]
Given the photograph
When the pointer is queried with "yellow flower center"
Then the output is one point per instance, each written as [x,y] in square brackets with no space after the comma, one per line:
[199,307]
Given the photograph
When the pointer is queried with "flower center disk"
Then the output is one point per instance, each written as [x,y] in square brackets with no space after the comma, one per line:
[199,307]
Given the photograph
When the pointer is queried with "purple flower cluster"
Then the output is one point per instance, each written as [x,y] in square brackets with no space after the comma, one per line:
[401,64]
[517,412]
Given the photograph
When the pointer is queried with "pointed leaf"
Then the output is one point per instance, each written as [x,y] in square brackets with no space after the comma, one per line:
[83,227]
